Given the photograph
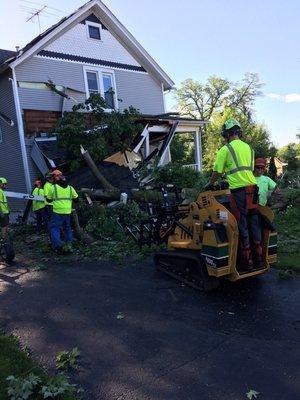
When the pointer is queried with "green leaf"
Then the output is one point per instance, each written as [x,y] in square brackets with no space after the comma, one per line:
[252,394]
[120,316]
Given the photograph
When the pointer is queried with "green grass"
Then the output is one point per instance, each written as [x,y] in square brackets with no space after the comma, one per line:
[15,361]
[288,228]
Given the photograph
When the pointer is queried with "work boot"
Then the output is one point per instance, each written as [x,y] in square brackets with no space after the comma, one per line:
[259,263]
[247,263]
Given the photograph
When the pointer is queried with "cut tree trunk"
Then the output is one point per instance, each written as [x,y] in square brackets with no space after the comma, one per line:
[89,161]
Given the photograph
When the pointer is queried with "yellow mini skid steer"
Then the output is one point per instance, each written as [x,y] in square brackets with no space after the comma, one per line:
[204,246]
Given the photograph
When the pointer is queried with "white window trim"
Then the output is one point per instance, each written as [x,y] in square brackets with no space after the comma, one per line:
[101,71]
[95,24]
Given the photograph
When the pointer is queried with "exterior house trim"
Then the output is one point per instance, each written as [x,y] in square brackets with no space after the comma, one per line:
[21,129]
[88,60]
[117,29]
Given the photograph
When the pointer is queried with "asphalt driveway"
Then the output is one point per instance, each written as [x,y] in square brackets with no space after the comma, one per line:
[169,342]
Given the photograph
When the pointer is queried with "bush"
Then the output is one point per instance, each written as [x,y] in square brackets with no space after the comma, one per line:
[103,224]
[290,179]
[181,177]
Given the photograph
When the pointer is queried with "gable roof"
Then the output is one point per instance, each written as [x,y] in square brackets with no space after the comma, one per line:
[110,22]
[6,54]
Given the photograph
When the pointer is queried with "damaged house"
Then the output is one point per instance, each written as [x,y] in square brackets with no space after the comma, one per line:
[89,51]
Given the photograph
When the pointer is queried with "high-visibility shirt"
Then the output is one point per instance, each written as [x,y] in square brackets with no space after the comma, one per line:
[264,184]
[62,198]
[236,159]
[47,190]
[38,204]
[3,203]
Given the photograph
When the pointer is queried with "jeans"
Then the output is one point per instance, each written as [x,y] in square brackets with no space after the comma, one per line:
[41,219]
[61,222]
[246,219]
[48,217]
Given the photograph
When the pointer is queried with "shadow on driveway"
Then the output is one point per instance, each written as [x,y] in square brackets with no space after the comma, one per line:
[173,343]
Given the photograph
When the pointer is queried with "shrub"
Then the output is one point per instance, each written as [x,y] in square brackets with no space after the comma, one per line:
[180,176]
[103,224]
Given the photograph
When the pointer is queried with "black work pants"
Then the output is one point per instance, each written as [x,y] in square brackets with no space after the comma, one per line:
[247,219]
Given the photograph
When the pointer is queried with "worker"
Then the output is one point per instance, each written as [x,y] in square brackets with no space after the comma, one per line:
[236,159]
[48,205]
[4,209]
[61,197]
[38,206]
[264,183]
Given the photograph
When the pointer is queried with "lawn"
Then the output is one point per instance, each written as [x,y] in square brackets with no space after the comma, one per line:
[288,228]
[15,361]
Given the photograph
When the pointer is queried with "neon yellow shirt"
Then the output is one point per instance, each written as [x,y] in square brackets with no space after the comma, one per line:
[3,203]
[264,184]
[47,190]
[62,199]
[38,204]
[239,172]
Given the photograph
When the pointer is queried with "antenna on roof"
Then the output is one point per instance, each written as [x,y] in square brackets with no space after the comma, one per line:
[37,14]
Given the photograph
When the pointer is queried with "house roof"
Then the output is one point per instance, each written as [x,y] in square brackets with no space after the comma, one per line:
[6,55]
[111,22]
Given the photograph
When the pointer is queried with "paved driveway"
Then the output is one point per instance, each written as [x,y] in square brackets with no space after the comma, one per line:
[173,343]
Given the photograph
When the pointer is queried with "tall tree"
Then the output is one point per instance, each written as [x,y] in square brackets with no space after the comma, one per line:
[201,101]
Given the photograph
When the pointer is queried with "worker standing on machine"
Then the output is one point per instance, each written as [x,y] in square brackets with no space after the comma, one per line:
[236,160]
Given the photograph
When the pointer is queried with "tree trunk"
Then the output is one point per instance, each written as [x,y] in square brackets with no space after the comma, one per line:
[88,159]
[79,232]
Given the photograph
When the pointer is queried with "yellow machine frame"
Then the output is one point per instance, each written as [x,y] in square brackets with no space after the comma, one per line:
[220,257]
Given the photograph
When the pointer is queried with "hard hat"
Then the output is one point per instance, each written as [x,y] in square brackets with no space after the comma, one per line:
[56,172]
[229,124]
[260,162]
[3,180]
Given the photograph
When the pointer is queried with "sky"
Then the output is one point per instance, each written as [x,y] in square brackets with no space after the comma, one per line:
[197,39]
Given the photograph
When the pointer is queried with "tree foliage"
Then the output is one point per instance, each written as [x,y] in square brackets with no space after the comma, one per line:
[291,155]
[201,101]
[100,132]
[217,100]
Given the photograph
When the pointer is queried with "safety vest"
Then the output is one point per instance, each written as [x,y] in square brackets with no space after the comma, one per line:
[62,199]
[236,159]
[3,203]
[47,191]
[238,166]
[38,204]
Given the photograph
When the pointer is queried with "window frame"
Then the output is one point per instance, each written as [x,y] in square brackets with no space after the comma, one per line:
[95,25]
[100,71]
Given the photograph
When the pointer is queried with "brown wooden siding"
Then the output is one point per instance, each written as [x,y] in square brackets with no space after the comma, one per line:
[39,121]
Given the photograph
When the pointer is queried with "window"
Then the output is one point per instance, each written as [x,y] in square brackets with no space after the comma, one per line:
[102,82]
[108,90]
[92,81]
[94,31]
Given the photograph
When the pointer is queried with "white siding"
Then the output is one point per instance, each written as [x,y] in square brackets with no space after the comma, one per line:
[76,42]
